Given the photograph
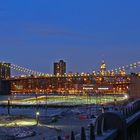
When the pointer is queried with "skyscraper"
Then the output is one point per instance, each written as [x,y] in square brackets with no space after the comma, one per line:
[103,67]
[60,68]
[5,70]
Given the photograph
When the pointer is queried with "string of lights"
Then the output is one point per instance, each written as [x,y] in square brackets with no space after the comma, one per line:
[125,68]
[22,69]
[37,73]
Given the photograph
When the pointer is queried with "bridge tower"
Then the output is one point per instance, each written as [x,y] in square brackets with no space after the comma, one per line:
[5,70]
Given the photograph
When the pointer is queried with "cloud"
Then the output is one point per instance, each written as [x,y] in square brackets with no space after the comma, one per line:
[49,31]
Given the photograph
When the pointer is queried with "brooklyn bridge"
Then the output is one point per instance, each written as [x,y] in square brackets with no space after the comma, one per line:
[125,119]
[117,80]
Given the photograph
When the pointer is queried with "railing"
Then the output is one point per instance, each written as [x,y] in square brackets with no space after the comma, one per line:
[120,125]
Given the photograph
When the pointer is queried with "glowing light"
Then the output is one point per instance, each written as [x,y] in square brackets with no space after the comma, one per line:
[126,96]
[103,88]
[37,113]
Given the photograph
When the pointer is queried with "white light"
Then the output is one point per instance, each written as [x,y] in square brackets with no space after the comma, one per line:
[126,96]
[103,88]
[37,113]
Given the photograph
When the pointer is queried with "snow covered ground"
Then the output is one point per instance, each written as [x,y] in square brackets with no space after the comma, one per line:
[64,123]
[18,132]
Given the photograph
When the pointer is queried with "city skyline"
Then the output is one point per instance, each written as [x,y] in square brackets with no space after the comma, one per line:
[36,34]
[60,68]
[69,69]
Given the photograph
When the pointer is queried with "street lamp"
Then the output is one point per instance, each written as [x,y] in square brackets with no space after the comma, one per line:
[8,106]
[37,117]
[126,96]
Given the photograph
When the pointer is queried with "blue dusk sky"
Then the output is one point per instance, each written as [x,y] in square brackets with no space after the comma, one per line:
[35,33]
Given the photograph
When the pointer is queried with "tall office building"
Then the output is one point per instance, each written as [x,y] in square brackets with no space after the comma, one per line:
[60,68]
[103,67]
[5,70]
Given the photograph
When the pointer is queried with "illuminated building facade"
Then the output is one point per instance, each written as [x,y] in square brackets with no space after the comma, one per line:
[70,84]
[103,68]
[60,68]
